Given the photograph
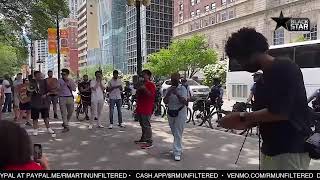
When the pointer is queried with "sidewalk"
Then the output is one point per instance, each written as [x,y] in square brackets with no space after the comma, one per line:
[100,149]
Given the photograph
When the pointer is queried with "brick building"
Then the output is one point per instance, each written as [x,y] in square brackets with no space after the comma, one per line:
[217,19]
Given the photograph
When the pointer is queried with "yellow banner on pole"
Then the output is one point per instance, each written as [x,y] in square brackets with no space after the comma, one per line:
[52,40]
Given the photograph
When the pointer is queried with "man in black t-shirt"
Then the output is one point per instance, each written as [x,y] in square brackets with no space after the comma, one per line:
[85,94]
[282,98]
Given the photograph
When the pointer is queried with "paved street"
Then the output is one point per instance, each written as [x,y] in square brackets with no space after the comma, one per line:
[101,149]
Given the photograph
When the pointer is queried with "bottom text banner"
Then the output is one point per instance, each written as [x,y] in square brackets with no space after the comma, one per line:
[127,174]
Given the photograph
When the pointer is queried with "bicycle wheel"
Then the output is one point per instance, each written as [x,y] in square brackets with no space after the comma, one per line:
[216,116]
[197,117]
[163,110]
[80,114]
[189,115]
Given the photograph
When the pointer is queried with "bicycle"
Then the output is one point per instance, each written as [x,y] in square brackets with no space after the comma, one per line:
[126,100]
[203,112]
[82,110]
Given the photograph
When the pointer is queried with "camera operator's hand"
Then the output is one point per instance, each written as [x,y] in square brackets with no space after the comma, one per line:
[44,162]
[232,121]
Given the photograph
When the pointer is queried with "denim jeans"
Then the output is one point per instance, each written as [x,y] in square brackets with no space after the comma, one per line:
[7,102]
[118,103]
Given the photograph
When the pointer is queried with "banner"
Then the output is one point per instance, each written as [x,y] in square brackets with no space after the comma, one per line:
[160,174]
[52,40]
[64,41]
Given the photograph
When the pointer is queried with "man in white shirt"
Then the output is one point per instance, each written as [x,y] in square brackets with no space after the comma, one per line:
[97,98]
[8,94]
[115,89]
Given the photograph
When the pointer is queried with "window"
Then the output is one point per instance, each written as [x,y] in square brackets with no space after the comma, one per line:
[213,19]
[231,14]
[278,37]
[192,2]
[198,1]
[213,7]
[181,17]
[207,8]
[282,52]
[198,12]
[230,1]
[312,35]
[224,16]
[217,18]
[192,14]
[181,7]
[240,91]
[223,2]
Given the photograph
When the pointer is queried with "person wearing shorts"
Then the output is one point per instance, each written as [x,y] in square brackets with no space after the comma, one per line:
[40,103]
[24,99]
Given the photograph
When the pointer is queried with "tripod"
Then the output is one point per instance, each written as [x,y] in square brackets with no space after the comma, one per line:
[245,138]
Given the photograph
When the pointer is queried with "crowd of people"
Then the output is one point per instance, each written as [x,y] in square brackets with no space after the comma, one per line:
[280,106]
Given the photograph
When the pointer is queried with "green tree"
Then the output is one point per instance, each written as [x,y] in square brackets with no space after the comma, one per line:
[188,55]
[218,70]
[300,38]
[10,60]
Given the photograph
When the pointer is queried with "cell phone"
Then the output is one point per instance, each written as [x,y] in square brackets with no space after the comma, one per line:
[37,152]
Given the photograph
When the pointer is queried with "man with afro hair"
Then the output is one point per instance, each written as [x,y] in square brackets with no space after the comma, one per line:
[284,101]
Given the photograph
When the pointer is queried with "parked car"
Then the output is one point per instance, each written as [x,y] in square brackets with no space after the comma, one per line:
[198,90]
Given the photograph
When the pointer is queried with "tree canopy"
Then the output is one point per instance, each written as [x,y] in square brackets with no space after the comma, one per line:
[188,55]
[18,18]
[218,70]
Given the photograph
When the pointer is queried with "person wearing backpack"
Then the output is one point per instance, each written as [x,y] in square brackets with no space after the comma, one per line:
[285,113]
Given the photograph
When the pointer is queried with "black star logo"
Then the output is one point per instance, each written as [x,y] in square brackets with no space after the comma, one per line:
[281,21]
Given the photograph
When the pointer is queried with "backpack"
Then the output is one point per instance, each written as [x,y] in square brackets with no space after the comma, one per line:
[215,92]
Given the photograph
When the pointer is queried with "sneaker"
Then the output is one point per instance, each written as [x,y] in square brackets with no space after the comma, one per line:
[147,146]
[65,130]
[50,131]
[140,142]
[90,126]
[28,123]
[56,116]
[100,126]
[177,158]
[35,132]
[110,126]
[122,125]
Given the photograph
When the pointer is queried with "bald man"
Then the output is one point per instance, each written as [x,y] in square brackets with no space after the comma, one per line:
[177,99]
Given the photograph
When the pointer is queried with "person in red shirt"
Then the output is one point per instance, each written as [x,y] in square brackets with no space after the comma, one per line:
[15,149]
[145,104]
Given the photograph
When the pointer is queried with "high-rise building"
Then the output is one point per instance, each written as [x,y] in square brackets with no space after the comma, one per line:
[217,19]
[40,52]
[73,7]
[156,30]
[112,25]
[88,29]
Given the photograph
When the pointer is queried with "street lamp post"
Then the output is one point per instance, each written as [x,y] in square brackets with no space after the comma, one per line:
[137,4]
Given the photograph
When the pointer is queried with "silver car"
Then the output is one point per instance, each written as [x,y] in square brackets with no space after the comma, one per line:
[197,90]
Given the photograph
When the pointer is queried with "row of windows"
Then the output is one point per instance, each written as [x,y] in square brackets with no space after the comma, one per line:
[219,17]
[278,35]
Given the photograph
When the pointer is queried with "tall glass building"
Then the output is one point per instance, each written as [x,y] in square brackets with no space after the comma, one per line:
[112,26]
[156,30]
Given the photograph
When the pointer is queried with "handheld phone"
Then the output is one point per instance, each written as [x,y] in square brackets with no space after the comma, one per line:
[37,152]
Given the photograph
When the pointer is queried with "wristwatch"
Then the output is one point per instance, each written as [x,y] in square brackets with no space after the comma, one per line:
[242,116]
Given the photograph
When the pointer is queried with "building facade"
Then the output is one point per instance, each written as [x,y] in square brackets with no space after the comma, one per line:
[40,53]
[156,30]
[73,7]
[217,19]
[112,26]
[88,29]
